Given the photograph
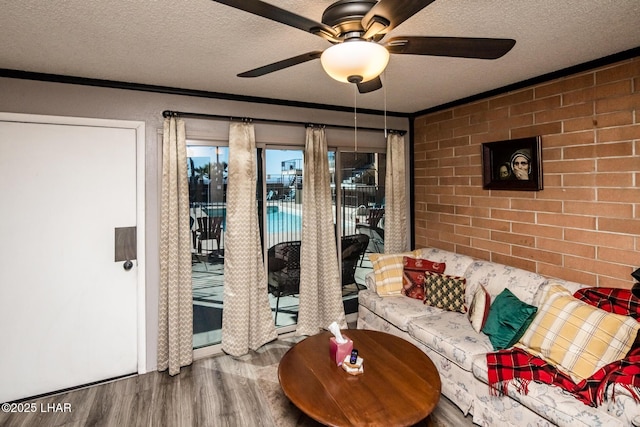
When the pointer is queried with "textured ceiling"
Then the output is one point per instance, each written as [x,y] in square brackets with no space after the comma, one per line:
[202,45]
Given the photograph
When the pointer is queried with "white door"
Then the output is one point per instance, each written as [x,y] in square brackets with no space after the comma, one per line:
[68,311]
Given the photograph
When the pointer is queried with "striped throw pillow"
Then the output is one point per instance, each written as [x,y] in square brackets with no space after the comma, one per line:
[387,269]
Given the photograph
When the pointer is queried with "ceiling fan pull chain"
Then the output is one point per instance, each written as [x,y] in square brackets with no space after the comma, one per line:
[355,119]
[384,88]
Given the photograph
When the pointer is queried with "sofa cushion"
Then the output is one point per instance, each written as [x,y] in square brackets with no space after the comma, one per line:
[479,309]
[508,320]
[450,334]
[413,272]
[575,337]
[444,291]
[456,264]
[496,277]
[397,310]
[551,402]
[572,287]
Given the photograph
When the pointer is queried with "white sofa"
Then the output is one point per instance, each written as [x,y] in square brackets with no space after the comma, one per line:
[459,352]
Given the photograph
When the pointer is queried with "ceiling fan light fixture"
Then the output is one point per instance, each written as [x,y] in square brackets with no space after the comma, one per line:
[351,59]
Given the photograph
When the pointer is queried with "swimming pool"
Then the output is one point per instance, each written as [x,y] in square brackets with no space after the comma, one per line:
[279,221]
[219,211]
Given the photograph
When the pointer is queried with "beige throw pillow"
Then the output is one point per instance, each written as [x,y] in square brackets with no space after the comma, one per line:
[479,310]
[387,269]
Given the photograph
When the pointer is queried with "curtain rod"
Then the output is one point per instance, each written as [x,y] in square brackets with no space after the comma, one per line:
[169,113]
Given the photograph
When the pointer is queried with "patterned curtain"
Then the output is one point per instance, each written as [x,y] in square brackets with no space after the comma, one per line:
[320,286]
[247,322]
[395,221]
[175,308]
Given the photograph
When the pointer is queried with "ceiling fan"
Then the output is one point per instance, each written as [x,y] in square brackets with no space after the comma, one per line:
[356,29]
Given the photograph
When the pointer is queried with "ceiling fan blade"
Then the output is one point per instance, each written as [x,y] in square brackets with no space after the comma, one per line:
[280,65]
[462,47]
[370,86]
[393,11]
[277,14]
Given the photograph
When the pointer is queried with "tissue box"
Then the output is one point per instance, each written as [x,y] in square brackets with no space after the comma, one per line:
[339,351]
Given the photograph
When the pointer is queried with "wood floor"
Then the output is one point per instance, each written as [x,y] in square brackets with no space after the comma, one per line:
[216,391]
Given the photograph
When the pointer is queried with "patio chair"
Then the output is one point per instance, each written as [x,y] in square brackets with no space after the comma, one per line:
[209,228]
[291,196]
[373,229]
[353,249]
[373,218]
[284,270]
[193,233]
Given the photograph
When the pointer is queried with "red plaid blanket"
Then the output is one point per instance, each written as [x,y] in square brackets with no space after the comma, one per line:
[518,368]
[613,300]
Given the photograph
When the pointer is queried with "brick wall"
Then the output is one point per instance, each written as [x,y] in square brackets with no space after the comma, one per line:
[585,225]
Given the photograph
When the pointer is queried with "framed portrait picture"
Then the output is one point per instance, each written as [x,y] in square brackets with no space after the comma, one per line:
[514,164]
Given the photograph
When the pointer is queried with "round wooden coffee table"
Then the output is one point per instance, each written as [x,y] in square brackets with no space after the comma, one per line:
[400,385]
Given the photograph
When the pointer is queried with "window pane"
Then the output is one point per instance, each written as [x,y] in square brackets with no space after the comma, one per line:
[362,196]
[207,174]
[283,232]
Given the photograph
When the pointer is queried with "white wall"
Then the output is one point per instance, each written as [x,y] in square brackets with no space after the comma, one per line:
[34,97]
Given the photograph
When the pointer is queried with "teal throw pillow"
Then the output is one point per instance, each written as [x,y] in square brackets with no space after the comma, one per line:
[508,319]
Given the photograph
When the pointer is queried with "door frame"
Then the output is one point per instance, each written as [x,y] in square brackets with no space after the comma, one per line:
[139,129]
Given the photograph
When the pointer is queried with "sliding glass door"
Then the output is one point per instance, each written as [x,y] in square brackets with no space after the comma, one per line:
[361,190]
[357,181]
[358,205]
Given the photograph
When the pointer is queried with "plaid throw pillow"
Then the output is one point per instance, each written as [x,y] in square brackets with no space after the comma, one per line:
[413,275]
[577,338]
[445,292]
